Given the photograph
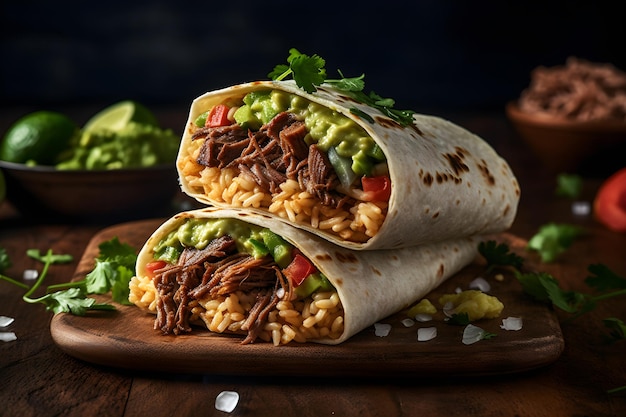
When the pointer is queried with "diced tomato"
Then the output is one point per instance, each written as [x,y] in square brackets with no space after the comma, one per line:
[609,205]
[376,188]
[218,116]
[153,266]
[299,268]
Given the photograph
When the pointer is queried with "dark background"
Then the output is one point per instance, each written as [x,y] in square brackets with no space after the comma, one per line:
[429,55]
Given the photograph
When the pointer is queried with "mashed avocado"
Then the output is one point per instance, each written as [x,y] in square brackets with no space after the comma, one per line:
[476,304]
[136,145]
[198,233]
[328,128]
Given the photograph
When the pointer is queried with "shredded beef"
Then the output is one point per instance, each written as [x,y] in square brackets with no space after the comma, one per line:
[216,270]
[272,155]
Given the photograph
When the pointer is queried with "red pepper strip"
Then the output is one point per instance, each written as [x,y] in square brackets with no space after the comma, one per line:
[218,116]
[299,268]
[376,188]
[153,266]
[609,206]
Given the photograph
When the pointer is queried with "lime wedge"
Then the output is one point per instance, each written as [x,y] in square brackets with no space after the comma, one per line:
[119,115]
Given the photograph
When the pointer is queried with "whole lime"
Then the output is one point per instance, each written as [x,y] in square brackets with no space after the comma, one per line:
[38,137]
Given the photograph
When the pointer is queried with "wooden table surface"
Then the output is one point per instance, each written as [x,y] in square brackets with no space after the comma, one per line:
[38,379]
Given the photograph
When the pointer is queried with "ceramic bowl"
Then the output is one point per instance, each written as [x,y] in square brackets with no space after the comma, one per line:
[45,192]
[595,148]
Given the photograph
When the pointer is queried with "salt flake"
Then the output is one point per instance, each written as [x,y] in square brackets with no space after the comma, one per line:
[423,317]
[472,334]
[6,321]
[481,284]
[382,329]
[226,401]
[581,208]
[407,322]
[425,334]
[8,336]
[512,323]
[30,274]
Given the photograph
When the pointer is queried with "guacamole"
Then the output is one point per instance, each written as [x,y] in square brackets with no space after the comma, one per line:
[329,129]
[136,145]
[198,233]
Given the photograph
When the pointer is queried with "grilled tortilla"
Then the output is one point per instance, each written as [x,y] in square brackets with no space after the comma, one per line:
[233,288]
[403,185]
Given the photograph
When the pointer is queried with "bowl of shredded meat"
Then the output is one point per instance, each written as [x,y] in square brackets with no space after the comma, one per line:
[573,117]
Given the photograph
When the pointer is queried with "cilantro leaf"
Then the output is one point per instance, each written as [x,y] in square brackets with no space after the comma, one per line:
[49,256]
[114,264]
[553,239]
[308,72]
[604,279]
[499,255]
[569,185]
[5,262]
[461,319]
[116,251]
[616,327]
[72,300]
[545,288]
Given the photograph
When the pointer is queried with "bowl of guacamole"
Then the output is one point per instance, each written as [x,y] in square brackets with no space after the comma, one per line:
[119,165]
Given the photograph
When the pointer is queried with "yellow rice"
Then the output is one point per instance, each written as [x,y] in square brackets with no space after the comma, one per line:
[357,223]
[318,316]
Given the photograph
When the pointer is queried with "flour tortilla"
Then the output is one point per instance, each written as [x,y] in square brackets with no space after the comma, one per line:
[446,182]
[371,285]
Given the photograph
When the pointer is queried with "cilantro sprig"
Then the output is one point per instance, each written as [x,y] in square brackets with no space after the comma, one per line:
[498,254]
[112,273]
[309,72]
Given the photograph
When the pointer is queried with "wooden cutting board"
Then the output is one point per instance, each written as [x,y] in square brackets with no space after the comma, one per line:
[126,339]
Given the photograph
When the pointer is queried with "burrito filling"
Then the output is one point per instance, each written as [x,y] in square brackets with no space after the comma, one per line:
[234,277]
[298,159]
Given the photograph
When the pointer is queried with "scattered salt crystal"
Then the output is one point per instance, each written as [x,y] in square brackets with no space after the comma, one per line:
[511,323]
[407,322]
[448,309]
[382,329]
[226,401]
[30,274]
[425,334]
[8,336]
[481,284]
[472,334]
[458,290]
[581,208]
[423,317]
[6,321]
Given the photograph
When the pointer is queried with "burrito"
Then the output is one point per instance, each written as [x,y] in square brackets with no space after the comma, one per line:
[341,169]
[236,272]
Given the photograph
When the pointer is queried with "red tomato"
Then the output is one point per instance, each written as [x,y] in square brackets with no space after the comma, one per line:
[218,116]
[153,266]
[609,205]
[299,268]
[376,188]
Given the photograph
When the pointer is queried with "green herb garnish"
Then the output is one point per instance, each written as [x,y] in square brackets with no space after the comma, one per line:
[499,255]
[308,72]
[5,262]
[114,268]
[554,239]
[569,185]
